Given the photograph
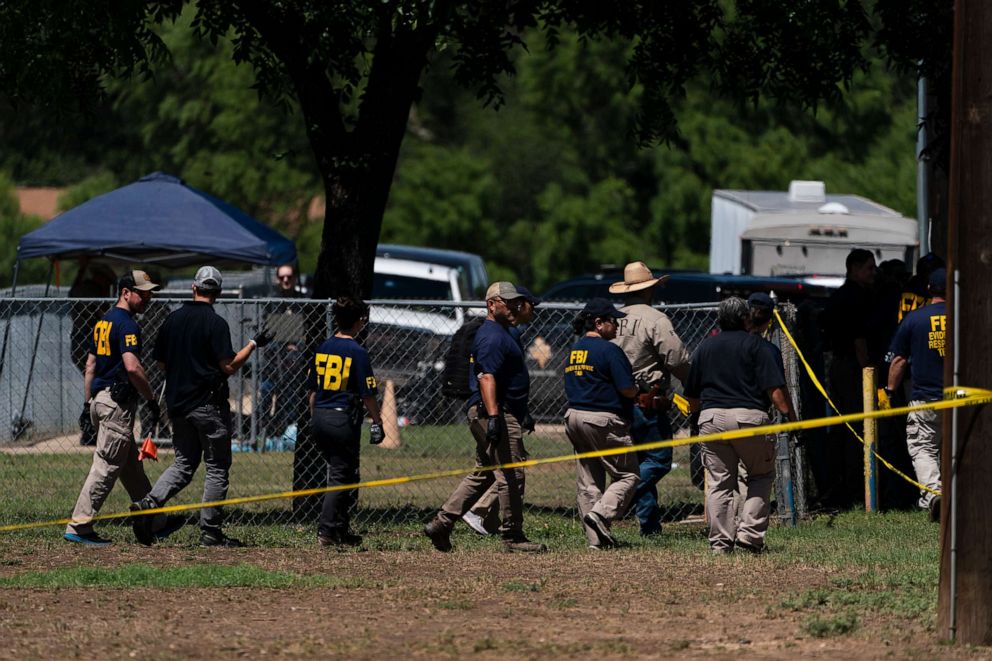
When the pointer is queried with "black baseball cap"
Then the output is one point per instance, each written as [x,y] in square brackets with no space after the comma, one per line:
[938,281]
[760,299]
[601,307]
[529,296]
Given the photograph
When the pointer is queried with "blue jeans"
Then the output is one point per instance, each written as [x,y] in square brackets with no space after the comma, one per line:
[654,465]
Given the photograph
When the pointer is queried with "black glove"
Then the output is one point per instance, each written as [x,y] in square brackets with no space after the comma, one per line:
[264,337]
[154,411]
[85,422]
[528,424]
[376,434]
[494,427]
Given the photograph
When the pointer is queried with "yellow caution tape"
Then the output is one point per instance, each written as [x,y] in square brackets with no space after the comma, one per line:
[961,397]
[887,407]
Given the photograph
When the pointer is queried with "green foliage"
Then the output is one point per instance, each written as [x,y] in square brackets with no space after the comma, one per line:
[86,189]
[838,625]
[575,107]
[14,225]
[573,190]
[442,197]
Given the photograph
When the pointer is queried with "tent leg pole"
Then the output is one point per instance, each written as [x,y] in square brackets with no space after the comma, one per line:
[19,422]
[10,316]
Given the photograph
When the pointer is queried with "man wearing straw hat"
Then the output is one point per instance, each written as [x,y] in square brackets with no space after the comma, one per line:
[656,353]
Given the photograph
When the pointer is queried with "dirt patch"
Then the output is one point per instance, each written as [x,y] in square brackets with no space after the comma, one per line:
[644,602]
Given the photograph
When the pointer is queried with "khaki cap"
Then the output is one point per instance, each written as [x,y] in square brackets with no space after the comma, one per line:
[137,280]
[502,289]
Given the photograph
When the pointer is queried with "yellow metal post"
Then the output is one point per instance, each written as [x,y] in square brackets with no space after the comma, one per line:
[871,435]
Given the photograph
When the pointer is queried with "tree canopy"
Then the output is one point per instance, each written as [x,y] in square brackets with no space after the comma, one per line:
[581,87]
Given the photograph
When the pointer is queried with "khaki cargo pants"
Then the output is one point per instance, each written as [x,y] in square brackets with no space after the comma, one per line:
[116,456]
[722,459]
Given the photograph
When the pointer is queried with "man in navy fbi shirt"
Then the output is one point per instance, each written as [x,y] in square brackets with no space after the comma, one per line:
[341,382]
[920,341]
[496,407]
[112,383]
[599,384]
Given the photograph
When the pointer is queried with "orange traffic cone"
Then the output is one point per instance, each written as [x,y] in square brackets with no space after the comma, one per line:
[389,422]
[148,450]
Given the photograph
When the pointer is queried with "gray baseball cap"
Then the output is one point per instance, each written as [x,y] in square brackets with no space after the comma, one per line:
[208,279]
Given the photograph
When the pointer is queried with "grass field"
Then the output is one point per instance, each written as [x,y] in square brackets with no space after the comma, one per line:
[45,486]
[849,586]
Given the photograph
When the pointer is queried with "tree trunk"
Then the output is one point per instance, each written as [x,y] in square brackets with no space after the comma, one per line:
[357,182]
[969,238]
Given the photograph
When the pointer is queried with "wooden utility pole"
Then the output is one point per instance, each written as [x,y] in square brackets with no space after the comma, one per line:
[965,600]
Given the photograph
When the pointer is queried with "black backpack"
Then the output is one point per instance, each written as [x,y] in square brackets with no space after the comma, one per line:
[458,360]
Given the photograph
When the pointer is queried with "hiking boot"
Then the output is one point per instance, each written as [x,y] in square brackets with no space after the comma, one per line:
[439,534]
[339,538]
[476,523]
[749,548]
[173,522]
[523,545]
[218,538]
[934,509]
[142,525]
[598,526]
[87,538]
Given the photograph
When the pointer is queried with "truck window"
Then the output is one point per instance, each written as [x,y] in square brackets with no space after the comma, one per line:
[406,287]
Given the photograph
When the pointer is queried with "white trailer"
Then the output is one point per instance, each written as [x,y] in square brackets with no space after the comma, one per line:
[803,231]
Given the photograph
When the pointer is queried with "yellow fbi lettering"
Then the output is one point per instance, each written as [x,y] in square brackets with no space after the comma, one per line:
[937,337]
[577,363]
[101,337]
[130,340]
[332,370]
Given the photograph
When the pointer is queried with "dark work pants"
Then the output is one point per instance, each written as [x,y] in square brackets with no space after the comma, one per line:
[654,464]
[338,438]
[202,434]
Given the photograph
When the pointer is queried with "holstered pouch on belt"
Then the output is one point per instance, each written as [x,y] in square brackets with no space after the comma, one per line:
[124,394]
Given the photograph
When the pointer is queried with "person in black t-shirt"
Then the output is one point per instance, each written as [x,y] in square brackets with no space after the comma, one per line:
[194,350]
[733,380]
[341,384]
[848,317]
[599,383]
[112,383]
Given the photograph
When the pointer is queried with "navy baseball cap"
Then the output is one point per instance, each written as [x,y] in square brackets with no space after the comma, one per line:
[938,281]
[760,299]
[528,296]
[601,307]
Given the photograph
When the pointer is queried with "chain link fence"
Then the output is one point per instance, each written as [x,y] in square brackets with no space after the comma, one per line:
[43,465]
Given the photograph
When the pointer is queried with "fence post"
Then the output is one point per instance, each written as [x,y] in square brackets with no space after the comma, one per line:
[786,495]
[871,430]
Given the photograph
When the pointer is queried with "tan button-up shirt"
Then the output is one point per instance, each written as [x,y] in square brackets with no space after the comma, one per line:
[653,348]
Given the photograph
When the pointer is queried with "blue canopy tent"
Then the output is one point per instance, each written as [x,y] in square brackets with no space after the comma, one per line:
[158,220]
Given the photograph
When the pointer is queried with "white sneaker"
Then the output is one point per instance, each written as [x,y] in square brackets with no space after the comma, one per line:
[474,521]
